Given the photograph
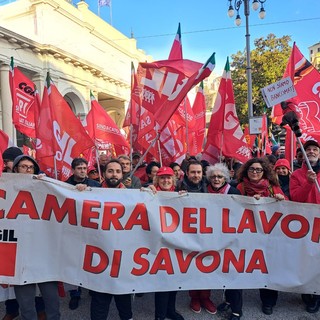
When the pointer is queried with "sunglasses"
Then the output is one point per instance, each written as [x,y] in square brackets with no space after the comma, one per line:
[257,170]
[93,172]
[216,176]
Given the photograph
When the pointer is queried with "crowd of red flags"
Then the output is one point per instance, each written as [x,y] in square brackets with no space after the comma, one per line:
[160,121]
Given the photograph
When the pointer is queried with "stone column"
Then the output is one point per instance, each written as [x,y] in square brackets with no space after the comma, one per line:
[6,102]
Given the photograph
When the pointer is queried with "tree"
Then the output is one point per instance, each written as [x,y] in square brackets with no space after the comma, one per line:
[268,62]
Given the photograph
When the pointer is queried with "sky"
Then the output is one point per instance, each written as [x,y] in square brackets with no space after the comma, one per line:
[206,27]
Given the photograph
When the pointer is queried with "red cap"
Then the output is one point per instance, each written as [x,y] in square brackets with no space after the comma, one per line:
[282,163]
[90,168]
[165,171]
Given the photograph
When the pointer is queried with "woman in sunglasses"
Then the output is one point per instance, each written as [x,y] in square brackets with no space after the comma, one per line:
[257,179]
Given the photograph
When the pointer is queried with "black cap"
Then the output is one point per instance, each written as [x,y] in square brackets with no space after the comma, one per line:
[11,153]
[311,143]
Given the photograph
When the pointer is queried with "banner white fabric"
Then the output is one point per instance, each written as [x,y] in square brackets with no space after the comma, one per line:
[129,241]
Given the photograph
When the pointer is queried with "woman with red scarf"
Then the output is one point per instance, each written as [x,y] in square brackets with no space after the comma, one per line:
[257,179]
[218,178]
[165,302]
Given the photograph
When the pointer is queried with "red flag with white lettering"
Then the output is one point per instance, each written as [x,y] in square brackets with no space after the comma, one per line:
[164,84]
[60,132]
[103,130]
[225,136]
[22,93]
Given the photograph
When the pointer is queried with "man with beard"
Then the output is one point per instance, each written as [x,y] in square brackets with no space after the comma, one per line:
[193,181]
[303,188]
[100,301]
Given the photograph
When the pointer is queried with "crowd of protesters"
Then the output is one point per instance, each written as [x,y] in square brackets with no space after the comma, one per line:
[268,176]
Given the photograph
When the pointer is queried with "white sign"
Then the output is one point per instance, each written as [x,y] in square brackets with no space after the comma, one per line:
[255,125]
[279,91]
[125,240]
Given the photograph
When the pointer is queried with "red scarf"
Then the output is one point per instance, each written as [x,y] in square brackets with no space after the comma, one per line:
[261,187]
[223,189]
[159,189]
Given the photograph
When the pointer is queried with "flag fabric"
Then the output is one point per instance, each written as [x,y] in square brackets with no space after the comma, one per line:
[225,136]
[61,136]
[103,130]
[22,94]
[163,85]
[305,78]
[176,49]
[265,144]
[104,3]
[197,133]
[4,144]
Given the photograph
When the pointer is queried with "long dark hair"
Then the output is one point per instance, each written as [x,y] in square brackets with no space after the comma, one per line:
[268,172]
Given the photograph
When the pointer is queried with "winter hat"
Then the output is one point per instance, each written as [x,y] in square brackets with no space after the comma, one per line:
[275,148]
[282,163]
[165,171]
[11,153]
[26,157]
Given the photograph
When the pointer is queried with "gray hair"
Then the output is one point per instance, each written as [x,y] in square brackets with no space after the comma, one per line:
[218,167]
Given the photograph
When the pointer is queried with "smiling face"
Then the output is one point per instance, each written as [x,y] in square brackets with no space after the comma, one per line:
[166,182]
[255,172]
[282,171]
[313,153]
[113,174]
[217,179]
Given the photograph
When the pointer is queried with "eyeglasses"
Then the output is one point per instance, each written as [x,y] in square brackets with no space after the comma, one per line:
[26,167]
[257,170]
[218,176]
[93,171]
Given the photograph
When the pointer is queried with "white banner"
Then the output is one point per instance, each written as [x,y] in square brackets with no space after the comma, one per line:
[128,241]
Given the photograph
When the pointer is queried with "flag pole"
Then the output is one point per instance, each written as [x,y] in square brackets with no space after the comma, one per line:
[186,120]
[110,6]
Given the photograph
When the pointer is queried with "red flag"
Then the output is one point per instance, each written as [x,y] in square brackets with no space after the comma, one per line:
[196,136]
[225,135]
[60,132]
[163,85]
[103,130]
[305,78]
[22,93]
[176,49]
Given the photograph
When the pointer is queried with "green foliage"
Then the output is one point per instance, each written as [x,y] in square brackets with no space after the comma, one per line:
[269,58]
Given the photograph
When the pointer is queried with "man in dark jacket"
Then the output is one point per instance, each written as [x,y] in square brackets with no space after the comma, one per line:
[193,181]
[79,178]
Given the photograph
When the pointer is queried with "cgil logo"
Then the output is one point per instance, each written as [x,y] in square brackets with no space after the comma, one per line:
[8,252]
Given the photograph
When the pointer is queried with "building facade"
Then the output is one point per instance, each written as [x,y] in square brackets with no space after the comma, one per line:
[81,51]
[314,58]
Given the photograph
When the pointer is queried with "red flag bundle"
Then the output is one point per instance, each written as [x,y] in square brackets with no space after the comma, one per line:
[22,93]
[163,85]
[225,136]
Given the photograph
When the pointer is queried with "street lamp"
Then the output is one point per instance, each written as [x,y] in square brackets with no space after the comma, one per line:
[262,14]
